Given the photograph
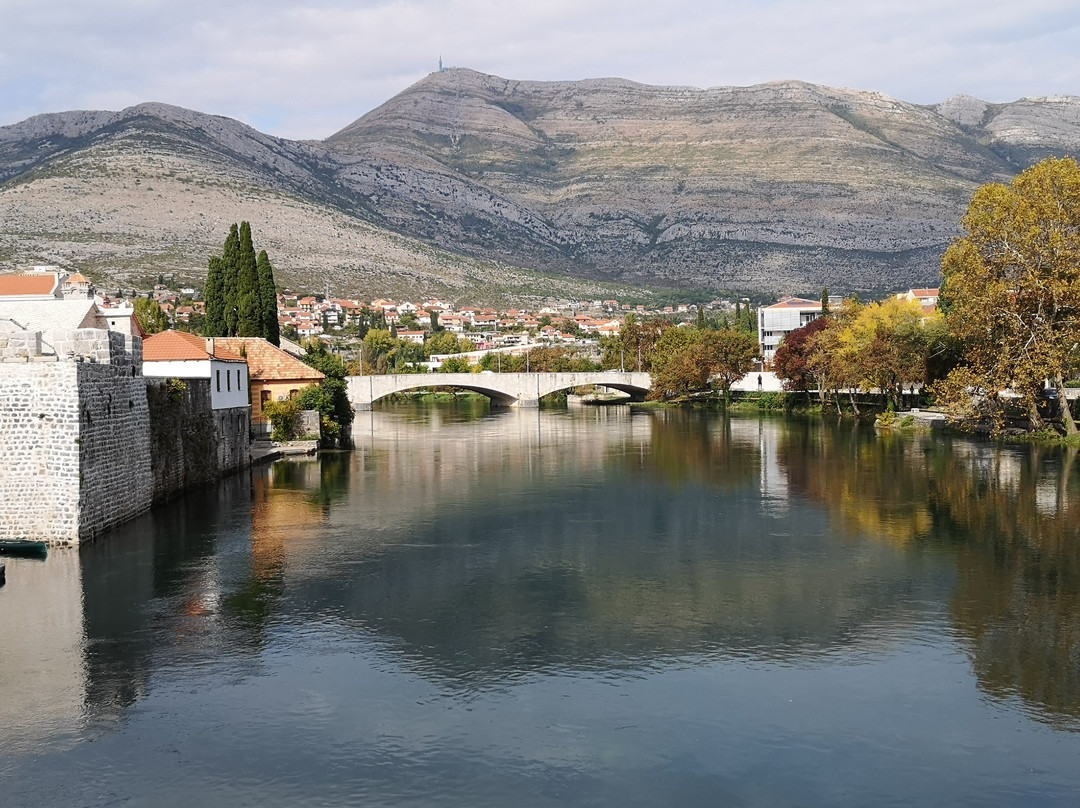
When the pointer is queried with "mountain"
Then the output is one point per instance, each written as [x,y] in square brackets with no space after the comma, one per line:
[467,184]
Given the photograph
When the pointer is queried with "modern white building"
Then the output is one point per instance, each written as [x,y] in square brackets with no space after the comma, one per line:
[780,319]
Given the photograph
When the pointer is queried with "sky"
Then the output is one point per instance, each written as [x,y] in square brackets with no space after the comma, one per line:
[304,70]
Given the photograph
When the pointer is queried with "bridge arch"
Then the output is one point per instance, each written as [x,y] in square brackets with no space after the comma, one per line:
[506,389]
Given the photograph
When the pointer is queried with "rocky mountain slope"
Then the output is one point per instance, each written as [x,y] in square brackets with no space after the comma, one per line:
[464,181]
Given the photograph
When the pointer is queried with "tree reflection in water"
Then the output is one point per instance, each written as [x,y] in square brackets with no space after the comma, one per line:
[1009,517]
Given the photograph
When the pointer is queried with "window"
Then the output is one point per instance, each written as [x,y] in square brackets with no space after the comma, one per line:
[228,381]
[218,377]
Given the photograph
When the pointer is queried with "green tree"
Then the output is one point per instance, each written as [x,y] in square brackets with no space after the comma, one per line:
[455,364]
[330,397]
[443,342]
[230,266]
[379,346]
[268,299]
[150,315]
[686,360]
[1011,289]
[249,319]
[214,297]
[731,353]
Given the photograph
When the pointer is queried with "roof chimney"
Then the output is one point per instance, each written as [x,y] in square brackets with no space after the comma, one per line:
[210,345]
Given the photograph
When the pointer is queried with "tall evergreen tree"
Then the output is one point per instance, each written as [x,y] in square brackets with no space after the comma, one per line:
[230,265]
[249,322]
[214,297]
[824,301]
[268,299]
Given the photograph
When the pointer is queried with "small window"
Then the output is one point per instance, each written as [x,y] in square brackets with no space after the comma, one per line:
[218,377]
[228,381]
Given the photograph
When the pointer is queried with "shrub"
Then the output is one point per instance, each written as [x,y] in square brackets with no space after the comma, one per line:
[284,418]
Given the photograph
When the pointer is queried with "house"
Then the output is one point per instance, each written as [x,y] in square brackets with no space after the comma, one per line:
[780,319]
[180,355]
[274,374]
[927,298]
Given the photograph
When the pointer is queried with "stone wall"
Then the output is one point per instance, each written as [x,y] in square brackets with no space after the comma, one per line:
[39,433]
[87,446]
[92,345]
[114,430]
[190,444]
[76,444]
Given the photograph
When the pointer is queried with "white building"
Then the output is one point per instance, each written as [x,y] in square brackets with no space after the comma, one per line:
[179,355]
[780,319]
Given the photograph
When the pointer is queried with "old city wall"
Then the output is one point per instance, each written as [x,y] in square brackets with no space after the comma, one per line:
[39,434]
[87,446]
[114,448]
[76,449]
[190,444]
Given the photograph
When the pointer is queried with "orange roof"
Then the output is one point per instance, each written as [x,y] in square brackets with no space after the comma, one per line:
[43,284]
[796,303]
[78,277]
[267,362]
[925,292]
[180,346]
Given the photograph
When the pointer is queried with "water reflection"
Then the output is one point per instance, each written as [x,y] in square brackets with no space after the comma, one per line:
[476,550]
[1009,518]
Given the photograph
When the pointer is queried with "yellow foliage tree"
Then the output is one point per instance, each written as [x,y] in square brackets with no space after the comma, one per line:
[1011,293]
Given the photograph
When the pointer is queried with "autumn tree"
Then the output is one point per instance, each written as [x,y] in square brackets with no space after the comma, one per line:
[633,348]
[151,317]
[791,361]
[686,360]
[1011,292]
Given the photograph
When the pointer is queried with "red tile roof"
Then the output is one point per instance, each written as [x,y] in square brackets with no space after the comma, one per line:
[267,362]
[180,346]
[27,284]
[796,303]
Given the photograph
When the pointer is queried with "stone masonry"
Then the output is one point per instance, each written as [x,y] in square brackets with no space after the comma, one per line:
[78,442]
[75,438]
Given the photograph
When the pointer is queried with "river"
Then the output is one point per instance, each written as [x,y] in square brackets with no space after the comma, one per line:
[589,606]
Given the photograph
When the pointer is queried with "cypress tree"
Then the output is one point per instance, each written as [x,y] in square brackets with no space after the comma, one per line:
[214,297]
[249,322]
[824,301]
[268,299]
[230,265]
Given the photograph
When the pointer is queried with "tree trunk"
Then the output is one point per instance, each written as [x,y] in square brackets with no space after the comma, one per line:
[854,404]
[1035,420]
[1066,414]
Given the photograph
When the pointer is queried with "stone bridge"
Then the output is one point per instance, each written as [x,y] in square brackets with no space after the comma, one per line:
[504,389]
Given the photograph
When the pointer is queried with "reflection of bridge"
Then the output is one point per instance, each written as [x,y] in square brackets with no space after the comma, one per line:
[518,389]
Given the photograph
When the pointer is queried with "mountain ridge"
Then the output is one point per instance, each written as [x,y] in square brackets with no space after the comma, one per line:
[780,187]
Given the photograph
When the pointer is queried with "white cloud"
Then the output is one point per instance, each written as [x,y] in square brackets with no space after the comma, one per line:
[305,70]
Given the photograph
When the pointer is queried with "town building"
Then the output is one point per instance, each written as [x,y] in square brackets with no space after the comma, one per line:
[274,375]
[180,355]
[780,319]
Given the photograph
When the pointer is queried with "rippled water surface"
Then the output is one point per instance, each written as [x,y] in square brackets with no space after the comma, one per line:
[583,607]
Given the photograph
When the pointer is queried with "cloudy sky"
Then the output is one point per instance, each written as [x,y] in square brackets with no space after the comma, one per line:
[306,69]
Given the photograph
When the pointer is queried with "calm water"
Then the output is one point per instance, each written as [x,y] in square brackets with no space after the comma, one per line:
[584,607]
